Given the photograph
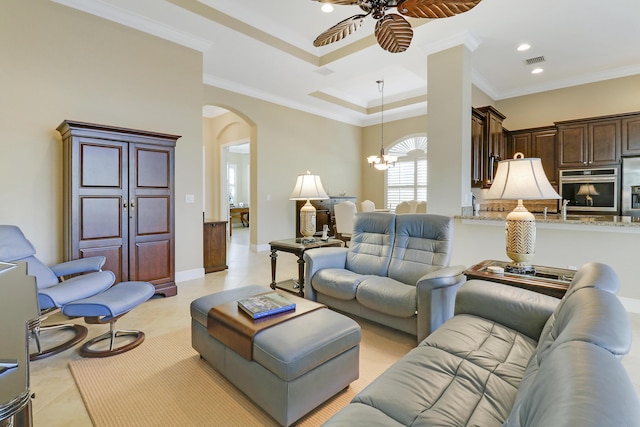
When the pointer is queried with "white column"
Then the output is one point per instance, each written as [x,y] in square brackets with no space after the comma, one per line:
[449,130]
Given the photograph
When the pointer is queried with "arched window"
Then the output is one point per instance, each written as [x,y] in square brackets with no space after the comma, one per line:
[407,180]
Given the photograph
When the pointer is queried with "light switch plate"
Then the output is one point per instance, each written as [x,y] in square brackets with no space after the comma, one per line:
[190,198]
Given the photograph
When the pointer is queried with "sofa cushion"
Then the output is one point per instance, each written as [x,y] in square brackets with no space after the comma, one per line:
[387,296]
[466,373]
[591,315]
[579,384]
[337,283]
[371,243]
[422,245]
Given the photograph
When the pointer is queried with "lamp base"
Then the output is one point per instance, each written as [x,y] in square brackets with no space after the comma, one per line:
[520,240]
[307,222]
[520,268]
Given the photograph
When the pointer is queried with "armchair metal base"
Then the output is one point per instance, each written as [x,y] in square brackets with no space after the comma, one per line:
[79,333]
[87,351]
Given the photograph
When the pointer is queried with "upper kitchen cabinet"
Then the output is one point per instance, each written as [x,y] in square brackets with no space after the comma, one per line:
[536,142]
[631,135]
[589,142]
[119,200]
[477,148]
[487,145]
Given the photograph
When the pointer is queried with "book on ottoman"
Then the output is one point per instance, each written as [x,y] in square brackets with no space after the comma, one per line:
[262,305]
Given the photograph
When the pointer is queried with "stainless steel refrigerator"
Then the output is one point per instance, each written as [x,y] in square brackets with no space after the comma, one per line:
[631,186]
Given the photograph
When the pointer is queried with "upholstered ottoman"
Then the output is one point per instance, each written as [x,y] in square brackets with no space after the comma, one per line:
[296,365]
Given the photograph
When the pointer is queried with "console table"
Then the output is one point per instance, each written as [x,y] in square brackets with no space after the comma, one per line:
[546,280]
[296,247]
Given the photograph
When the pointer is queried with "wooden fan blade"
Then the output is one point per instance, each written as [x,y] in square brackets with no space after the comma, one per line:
[339,31]
[394,33]
[435,8]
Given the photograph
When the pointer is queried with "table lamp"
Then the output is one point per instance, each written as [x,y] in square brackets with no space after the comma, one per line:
[308,187]
[521,179]
[588,190]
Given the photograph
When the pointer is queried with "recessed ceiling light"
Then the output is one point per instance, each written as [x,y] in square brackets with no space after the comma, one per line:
[327,8]
[523,47]
[537,71]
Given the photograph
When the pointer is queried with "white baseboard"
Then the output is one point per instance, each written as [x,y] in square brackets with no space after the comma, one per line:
[183,276]
[630,304]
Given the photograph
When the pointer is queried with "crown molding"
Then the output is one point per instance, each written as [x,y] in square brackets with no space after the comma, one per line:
[138,22]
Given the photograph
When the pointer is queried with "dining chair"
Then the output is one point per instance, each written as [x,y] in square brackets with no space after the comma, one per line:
[344,215]
[367,206]
[403,208]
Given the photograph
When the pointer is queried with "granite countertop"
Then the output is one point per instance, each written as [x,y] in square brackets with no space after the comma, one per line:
[595,220]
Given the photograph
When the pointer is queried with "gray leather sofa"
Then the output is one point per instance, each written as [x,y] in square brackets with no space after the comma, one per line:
[395,272]
[512,357]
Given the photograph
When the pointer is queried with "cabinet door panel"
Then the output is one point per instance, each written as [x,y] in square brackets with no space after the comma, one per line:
[572,141]
[101,165]
[543,146]
[520,143]
[153,168]
[631,136]
[152,215]
[152,261]
[604,143]
[100,217]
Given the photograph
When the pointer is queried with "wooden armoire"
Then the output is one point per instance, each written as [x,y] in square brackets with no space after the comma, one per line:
[119,200]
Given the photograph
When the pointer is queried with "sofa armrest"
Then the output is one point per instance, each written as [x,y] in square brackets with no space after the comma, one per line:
[81,265]
[319,259]
[520,309]
[435,294]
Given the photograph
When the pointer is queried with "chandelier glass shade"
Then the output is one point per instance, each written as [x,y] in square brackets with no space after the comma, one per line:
[381,161]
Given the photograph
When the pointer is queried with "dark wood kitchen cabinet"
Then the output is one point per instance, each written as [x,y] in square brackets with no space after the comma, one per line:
[589,142]
[214,236]
[487,144]
[536,142]
[631,135]
[477,148]
[119,200]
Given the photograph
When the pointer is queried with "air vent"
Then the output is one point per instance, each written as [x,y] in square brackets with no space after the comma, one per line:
[536,60]
[323,71]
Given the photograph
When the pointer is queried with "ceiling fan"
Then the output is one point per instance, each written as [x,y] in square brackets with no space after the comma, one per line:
[393,32]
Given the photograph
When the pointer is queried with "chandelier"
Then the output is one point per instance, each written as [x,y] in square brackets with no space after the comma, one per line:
[381,161]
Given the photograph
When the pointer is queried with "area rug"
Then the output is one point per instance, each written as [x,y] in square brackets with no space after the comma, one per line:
[164,382]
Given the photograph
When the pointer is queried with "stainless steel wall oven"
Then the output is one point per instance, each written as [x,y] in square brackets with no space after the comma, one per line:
[591,190]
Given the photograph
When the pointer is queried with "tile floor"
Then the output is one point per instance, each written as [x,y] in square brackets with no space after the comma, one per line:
[58,403]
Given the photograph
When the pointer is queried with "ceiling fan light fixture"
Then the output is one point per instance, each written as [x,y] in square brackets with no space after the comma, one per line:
[393,32]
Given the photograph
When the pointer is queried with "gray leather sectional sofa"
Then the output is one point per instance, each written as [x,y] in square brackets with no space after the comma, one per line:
[512,357]
[395,272]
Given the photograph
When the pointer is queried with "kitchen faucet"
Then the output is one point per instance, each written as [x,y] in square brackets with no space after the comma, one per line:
[564,208]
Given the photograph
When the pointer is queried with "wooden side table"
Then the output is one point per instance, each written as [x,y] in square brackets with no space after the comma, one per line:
[296,247]
[214,245]
[547,280]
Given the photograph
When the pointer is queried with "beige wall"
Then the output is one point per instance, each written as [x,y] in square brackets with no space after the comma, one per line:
[614,96]
[58,63]
[284,144]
